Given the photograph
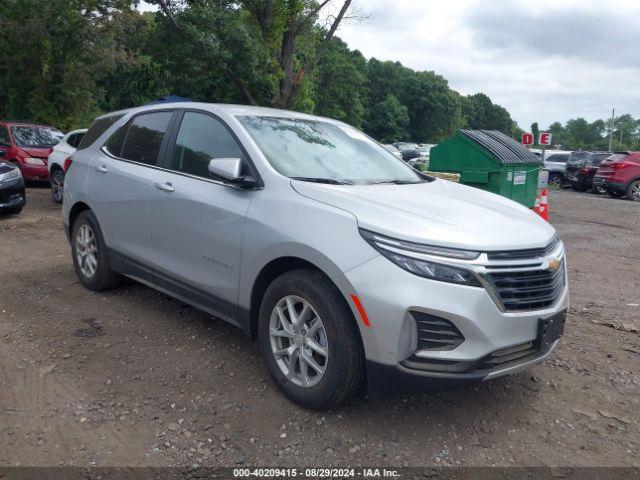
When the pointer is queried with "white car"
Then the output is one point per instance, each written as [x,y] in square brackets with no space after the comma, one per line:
[57,161]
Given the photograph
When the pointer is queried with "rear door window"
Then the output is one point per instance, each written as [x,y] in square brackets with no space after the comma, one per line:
[144,136]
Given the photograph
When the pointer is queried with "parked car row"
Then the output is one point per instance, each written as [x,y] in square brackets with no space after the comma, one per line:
[39,153]
[617,174]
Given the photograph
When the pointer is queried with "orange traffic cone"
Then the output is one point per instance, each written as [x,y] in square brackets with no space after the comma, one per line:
[544,206]
[536,206]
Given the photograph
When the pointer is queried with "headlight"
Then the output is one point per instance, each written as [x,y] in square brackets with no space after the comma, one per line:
[10,175]
[399,252]
[34,161]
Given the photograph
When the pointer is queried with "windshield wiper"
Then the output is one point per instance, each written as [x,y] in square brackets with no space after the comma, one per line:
[332,181]
[397,182]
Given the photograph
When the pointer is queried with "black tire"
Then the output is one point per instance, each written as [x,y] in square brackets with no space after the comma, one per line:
[57,184]
[615,194]
[103,278]
[598,189]
[555,180]
[633,191]
[345,372]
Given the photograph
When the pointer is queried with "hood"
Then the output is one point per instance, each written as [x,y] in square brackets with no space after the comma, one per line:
[39,152]
[439,213]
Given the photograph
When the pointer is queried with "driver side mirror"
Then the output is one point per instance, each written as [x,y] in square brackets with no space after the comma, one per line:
[229,169]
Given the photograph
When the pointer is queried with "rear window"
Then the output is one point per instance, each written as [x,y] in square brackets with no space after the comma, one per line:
[597,158]
[578,157]
[97,128]
[617,156]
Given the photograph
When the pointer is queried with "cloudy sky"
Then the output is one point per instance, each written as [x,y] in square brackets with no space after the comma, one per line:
[543,60]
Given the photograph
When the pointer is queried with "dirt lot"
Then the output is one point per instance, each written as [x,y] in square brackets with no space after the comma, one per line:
[133,377]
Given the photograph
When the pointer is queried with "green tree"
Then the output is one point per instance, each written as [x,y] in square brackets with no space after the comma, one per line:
[388,121]
[341,85]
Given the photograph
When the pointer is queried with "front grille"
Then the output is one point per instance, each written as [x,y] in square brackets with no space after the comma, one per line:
[525,253]
[528,290]
[435,333]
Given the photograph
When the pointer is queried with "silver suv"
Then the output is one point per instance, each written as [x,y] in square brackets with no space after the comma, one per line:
[351,268]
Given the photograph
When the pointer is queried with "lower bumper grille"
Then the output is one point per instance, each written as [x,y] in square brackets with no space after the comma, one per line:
[499,359]
[529,290]
[436,333]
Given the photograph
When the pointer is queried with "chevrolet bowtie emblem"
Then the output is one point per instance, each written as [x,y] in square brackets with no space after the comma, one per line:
[554,264]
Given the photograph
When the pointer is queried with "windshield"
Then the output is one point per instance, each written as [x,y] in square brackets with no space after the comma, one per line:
[35,136]
[321,151]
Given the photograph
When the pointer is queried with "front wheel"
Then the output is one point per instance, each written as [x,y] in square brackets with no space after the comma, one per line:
[309,340]
[90,254]
[57,185]
[633,191]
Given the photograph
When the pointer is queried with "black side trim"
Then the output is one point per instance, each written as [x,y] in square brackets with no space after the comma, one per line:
[207,302]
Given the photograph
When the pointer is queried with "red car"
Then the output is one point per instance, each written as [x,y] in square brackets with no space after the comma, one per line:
[28,145]
[619,174]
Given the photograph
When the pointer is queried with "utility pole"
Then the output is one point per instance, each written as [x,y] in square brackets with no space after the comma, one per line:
[613,112]
[621,129]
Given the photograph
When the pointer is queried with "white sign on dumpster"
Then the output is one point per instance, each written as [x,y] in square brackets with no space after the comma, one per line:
[519,178]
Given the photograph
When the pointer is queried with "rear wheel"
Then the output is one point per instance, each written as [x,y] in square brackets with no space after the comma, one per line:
[599,189]
[555,180]
[309,340]
[633,191]
[57,184]
[90,254]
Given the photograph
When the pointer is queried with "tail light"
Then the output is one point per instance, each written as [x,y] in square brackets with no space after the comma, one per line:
[67,164]
[620,165]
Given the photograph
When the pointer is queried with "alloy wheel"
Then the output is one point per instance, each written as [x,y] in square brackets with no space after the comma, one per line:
[298,341]
[86,251]
[634,191]
[57,186]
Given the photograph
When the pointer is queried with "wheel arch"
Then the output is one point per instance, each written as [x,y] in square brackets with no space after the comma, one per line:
[273,269]
[76,210]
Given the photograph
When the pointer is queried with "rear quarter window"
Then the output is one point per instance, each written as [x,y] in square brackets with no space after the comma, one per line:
[97,128]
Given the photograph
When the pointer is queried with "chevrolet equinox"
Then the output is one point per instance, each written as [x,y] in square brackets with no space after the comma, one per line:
[351,268]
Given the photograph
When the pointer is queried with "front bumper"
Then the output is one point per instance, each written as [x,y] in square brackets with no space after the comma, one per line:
[35,173]
[396,360]
[12,194]
[384,380]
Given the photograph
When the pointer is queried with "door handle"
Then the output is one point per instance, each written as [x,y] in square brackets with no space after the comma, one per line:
[101,168]
[165,187]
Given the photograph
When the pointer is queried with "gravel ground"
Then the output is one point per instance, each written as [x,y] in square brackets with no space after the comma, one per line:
[133,377]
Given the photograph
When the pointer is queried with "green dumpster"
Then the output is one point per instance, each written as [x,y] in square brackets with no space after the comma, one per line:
[490,160]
